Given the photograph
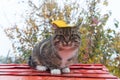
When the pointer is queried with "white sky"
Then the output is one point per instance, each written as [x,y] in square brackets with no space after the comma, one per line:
[10,12]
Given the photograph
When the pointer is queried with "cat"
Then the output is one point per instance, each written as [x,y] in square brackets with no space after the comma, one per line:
[57,52]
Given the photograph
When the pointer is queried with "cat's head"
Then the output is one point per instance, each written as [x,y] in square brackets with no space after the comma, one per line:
[66,38]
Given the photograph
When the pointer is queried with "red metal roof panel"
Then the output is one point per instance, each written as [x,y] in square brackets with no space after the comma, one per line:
[78,72]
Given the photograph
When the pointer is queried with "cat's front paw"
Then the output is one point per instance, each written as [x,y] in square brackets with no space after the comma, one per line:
[55,71]
[66,70]
[41,68]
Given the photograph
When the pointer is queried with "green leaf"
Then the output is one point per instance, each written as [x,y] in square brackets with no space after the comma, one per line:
[116,25]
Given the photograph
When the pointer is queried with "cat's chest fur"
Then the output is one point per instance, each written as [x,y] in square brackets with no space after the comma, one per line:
[66,54]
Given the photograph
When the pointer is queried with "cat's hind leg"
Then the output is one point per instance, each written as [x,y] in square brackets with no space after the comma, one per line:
[38,65]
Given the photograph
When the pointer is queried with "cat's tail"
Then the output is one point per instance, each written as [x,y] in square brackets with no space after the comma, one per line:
[31,63]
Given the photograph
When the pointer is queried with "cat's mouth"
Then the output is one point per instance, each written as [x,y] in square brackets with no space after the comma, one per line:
[66,47]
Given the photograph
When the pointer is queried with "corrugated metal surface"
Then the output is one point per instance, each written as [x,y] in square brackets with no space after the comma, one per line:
[78,72]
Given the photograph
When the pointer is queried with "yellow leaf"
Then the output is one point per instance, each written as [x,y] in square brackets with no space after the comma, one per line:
[62,23]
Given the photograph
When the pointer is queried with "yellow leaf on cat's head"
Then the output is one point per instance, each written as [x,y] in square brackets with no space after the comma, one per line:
[62,24]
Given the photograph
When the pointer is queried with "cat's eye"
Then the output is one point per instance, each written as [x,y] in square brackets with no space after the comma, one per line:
[60,37]
[75,40]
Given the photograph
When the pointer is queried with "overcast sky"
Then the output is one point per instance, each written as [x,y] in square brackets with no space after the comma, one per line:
[10,11]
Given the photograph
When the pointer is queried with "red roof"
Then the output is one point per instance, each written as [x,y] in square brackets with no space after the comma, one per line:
[78,72]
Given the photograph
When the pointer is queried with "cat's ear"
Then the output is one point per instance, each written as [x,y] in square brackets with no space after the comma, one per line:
[54,26]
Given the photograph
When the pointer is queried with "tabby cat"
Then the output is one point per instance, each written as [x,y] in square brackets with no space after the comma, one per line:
[57,52]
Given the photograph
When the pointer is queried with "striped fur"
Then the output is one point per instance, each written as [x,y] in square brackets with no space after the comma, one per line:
[57,52]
